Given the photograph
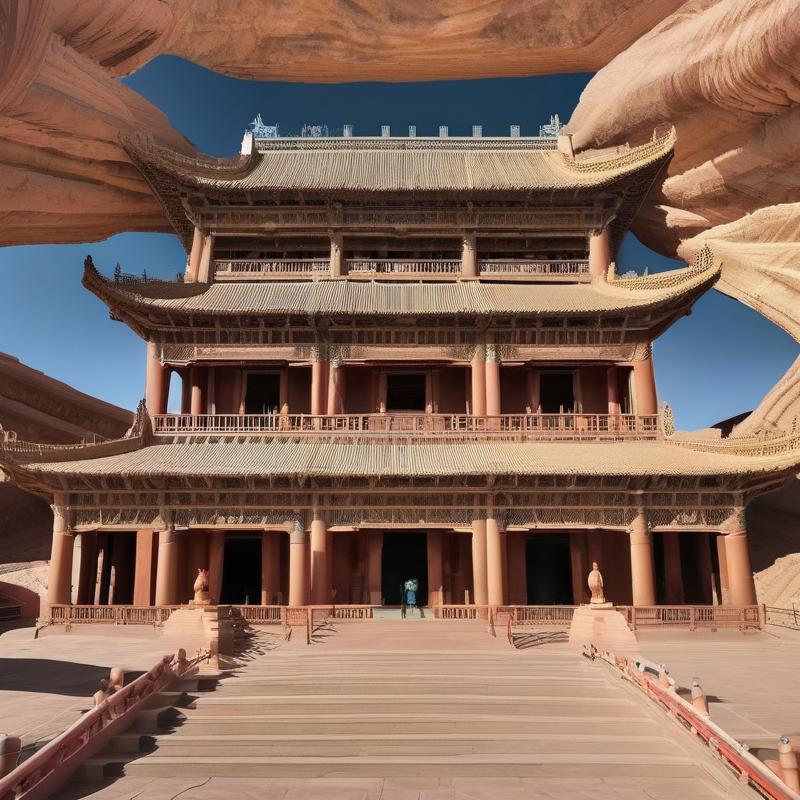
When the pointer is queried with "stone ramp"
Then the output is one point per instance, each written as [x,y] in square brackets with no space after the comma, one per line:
[407,709]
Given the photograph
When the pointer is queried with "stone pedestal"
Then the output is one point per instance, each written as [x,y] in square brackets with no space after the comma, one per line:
[603,627]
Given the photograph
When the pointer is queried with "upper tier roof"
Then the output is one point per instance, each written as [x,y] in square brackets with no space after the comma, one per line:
[460,167]
[405,165]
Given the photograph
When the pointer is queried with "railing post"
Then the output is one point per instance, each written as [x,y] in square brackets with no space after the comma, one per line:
[693,618]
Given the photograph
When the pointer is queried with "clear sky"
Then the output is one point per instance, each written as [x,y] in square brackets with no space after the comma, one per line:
[715,363]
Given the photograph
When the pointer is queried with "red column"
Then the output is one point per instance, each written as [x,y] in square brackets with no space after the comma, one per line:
[599,253]
[642,577]
[435,572]
[492,382]
[612,385]
[578,566]
[336,388]
[193,266]
[480,591]
[469,256]
[337,257]
[198,396]
[534,390]
[156,382]
[478,370]
[645,386]
[741,587]
[298,566]
[318,385]
[59,582]
[167,569]
[320,567]
[186,391]
[494,560]
[145,567]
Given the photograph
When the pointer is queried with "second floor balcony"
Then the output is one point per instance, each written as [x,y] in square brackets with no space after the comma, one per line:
[428,428]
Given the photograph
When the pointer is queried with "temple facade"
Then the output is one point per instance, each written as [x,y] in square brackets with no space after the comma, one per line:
[403,357]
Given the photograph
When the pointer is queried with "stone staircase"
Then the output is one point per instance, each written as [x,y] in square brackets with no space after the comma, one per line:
[410,701]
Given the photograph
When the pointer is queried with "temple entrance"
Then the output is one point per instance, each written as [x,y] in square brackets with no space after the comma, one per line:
[405,391]
[556,392]
[548,569]
[241,570]
[405,556]
[263,395]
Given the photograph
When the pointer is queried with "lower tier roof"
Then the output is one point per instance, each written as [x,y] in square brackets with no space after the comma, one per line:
[279,458]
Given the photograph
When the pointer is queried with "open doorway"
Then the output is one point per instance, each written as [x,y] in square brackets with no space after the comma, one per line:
[405,391]
[241,570]
[556,392]
[548,569]
[263,394]
[405,556]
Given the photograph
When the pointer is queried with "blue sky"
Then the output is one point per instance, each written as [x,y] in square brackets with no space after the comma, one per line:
[715,363]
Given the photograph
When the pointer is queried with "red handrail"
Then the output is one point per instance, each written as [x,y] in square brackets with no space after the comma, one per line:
[746,766]
[39,775]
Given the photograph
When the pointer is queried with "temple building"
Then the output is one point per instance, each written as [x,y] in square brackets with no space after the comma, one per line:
[403,357]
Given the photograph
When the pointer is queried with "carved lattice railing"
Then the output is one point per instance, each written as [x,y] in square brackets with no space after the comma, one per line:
[269,267]
[404,266]
[521,266]
[430,427]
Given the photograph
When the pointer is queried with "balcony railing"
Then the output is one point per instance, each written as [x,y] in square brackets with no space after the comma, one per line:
[518,266]
[279,268]
[430,428]
[403,266]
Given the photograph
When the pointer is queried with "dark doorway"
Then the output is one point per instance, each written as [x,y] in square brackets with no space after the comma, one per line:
[241,570]
[548,569]
[405,556]
[405,391]
[263,393]
[555,392]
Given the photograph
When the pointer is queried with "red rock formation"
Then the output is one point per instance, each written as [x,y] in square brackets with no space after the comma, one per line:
[64,177]
[725,74]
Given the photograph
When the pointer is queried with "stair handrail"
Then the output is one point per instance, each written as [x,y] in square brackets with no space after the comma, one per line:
[38,776]
[733,754]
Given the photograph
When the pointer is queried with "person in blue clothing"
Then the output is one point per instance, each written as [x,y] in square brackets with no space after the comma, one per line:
[410,589]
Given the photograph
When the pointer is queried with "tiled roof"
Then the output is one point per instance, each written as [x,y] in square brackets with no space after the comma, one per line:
[342,297]
[254,458]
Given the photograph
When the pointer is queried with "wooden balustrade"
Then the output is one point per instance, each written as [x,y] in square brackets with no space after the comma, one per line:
[404,266]
[69,615]
[260,615]
[233,268]
[693,617]
[437,427]
[521,266]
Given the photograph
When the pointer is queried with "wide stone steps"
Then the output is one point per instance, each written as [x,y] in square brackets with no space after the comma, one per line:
[409,702]
[375,744]
[425,723]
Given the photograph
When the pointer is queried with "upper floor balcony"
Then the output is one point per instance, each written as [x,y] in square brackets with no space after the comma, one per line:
[407,427]
[511,269]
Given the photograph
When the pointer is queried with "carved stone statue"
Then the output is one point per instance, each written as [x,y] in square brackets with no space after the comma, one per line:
[201,595]
[596,587]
